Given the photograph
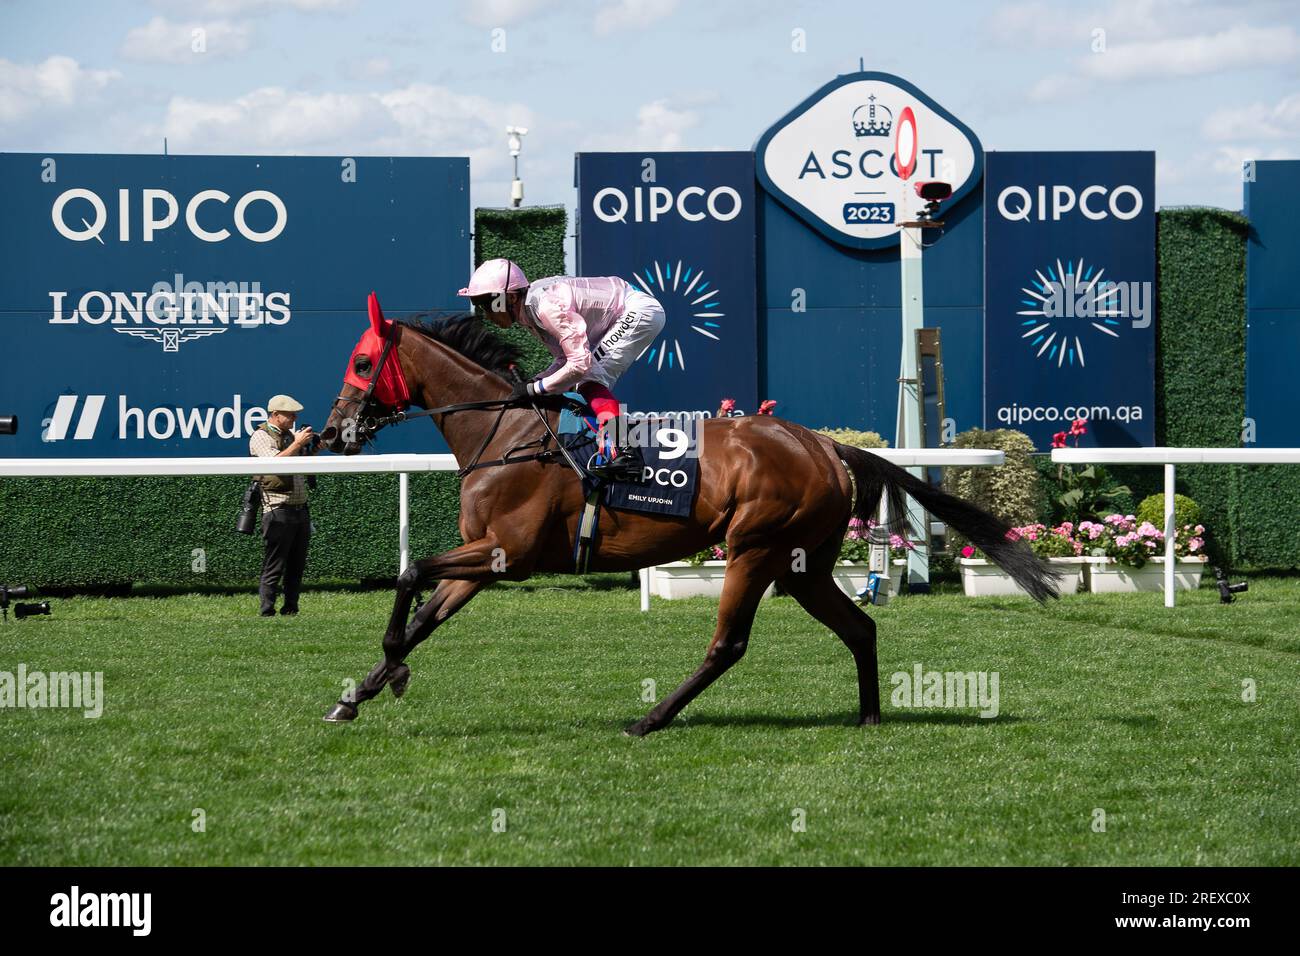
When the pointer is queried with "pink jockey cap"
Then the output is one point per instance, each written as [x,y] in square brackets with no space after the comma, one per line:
[495,275]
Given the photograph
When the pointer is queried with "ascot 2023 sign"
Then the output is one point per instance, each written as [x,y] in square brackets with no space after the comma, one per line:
[830,160]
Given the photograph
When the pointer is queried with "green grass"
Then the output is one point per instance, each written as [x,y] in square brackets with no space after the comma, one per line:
[518,703]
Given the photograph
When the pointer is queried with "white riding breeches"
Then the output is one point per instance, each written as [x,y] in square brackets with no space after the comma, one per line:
[626,339]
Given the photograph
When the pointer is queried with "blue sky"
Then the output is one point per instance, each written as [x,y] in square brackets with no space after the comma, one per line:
[1204,84]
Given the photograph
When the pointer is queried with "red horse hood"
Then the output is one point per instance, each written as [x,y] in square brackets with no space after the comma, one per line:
[391,388]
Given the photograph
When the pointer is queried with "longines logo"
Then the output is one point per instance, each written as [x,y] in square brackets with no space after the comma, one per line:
[830,160]
[173,313]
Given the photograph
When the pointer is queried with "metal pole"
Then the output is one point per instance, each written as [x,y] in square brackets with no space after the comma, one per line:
[403,522]
[1169,535]
[908,431]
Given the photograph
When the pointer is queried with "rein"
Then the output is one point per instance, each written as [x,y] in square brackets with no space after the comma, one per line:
[367,426]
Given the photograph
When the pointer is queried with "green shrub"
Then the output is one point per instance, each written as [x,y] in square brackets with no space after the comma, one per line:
[854,438]
[1186,511]
[1011,492]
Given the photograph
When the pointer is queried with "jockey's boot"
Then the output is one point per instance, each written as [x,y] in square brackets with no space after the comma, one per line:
[626,465]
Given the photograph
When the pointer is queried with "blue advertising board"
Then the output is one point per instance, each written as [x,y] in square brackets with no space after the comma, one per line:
[830,299]
[1272,204]
[1069,324]
[152,304]
[679,226]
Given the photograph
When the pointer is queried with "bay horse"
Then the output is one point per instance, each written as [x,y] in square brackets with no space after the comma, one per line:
[779,494]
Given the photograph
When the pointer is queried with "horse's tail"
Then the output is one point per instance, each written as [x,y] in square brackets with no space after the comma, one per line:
[875,477]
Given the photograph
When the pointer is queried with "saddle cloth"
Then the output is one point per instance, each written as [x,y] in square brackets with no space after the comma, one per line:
[671,467]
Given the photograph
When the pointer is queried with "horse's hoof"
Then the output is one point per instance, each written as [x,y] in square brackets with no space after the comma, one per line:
[639,729]
[870,720]
[341,713]
[401,676]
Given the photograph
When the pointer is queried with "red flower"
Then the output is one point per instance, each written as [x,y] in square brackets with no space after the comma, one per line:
[1058,440]
[767,406]
[967,551]
[726,407]
[1079,427]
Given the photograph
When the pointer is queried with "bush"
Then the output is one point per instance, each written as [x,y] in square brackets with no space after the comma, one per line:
[1011,492]
[852,438]
[1152,509]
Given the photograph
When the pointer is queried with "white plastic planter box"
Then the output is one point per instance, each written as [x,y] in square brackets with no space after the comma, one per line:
[1108,576]
[983,578]
[681,580]
[852,576]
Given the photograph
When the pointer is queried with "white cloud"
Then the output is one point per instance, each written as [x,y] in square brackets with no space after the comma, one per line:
[224,8]
[57,82]
[166,41]
[660,124]
[1256,121]
[1230,159]
[625,14]
[1233,48]
[418,119]
[499,13]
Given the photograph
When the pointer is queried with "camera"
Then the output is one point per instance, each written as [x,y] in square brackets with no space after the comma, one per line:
[1226,590]
[933,192]
[8,424]
[246,523]
[7,594]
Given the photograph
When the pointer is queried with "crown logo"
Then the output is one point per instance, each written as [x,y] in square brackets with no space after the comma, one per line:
[867,122]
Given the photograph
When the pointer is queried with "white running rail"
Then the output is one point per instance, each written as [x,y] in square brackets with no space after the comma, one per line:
[1170,458]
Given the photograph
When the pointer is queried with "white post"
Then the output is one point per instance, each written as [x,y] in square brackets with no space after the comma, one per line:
[1169,534]
[403,522]
[908,431]
[645,589]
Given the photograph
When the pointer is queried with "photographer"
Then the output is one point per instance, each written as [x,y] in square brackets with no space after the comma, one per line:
[286,522]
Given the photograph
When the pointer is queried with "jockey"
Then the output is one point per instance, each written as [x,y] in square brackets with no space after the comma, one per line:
[595,328]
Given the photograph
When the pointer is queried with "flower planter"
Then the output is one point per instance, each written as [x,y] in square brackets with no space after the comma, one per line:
[852,576]
[983,578]
[679,579]
[1107,576]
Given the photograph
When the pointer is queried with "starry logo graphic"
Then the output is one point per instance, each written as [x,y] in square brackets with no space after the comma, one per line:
[1064,308]
[691,303]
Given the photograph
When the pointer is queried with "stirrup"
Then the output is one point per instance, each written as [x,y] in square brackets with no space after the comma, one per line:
[626,466]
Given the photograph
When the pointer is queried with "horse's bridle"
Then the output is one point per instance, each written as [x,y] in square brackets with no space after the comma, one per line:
[368,426]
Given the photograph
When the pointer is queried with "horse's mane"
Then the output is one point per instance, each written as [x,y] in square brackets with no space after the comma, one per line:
[470,336]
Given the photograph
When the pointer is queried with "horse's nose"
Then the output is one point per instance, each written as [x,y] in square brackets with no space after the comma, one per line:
[329,434]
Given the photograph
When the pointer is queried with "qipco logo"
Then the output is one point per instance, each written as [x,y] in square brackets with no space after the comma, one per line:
[1053,202]
[693,204]
[80,215]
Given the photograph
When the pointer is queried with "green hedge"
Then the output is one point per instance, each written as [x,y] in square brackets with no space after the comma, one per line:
[534,239]
[1201,360]
[97,532]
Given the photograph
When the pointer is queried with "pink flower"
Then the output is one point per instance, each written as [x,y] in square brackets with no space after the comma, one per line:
[1058,440]
[767,406]
[1148,530]
[1199,529]
[728,404]
[1195,544]
[967,551]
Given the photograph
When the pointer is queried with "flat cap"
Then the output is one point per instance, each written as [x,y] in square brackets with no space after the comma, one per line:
[282,403]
